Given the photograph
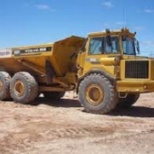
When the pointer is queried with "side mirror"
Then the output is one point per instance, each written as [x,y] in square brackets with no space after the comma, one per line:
[101,50]
[137,47]
[108,40]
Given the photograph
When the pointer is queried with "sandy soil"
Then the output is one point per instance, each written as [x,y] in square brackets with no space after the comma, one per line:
[49,127]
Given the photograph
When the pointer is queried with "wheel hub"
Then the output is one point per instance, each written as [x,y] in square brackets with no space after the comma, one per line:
[19,88]
[94,94]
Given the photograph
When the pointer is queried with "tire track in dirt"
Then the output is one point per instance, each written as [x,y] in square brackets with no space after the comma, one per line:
[42,131]
[26,128]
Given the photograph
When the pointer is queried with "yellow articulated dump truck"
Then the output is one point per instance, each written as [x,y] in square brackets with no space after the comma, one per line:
[103,68]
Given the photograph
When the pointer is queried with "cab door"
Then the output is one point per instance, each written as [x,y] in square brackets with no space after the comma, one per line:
[101,53]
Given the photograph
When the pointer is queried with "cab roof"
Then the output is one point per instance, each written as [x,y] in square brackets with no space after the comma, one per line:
[123,32]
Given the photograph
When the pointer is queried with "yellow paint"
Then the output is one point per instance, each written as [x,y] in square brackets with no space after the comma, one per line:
[63,57]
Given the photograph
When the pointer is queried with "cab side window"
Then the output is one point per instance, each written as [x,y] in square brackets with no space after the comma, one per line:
[95,45]
[101,45]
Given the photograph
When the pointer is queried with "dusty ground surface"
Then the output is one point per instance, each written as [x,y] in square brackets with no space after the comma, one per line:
[63,127]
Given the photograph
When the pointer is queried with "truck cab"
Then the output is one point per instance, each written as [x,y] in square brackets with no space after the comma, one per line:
[104,50]
[112,55]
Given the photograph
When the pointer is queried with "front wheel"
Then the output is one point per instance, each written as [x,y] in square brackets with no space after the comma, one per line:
[97,94]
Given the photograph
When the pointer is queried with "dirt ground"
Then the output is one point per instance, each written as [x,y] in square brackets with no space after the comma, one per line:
[50,127]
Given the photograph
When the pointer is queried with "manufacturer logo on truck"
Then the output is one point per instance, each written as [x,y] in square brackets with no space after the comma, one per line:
[18,52]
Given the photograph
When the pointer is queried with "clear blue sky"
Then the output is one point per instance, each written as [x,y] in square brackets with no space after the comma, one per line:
[28,22]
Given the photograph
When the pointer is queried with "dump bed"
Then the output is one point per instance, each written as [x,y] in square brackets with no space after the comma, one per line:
[33,59]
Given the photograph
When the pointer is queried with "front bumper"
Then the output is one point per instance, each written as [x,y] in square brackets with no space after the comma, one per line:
[134,85]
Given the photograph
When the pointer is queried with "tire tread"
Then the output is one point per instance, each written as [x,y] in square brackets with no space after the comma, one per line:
[32,87]
[113,94]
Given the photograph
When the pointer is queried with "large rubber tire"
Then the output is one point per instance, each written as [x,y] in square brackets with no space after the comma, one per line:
[23,88]
[129,100]
[97,94]
[54,95]
[4,86]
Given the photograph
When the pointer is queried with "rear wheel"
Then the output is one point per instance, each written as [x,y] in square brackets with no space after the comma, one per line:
[129,100]
[4,86]
[23,87]
[54,95]
[97,94]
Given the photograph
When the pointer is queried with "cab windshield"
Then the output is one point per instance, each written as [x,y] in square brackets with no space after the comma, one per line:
[128,46]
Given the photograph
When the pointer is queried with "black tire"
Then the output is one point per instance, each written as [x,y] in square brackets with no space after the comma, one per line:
[23,88]
[97,85]
[53,95]
[4,86]
[129,100]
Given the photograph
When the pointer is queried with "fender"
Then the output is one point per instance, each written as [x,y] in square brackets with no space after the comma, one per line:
[97,71]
